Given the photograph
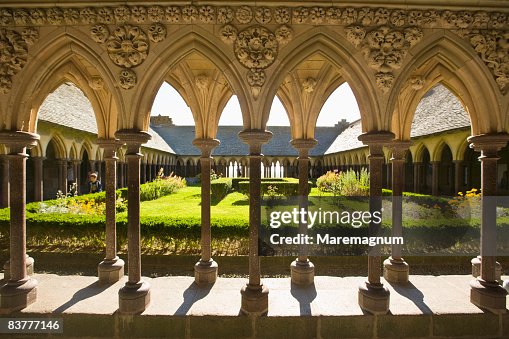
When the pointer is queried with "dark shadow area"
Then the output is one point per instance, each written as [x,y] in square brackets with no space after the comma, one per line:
[191,295]
[241,203]
[86,292]
[409,291]
[305,296]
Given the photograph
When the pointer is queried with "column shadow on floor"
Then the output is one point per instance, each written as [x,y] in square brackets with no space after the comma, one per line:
[86,292]
[409,291]
[192,294]
[305,296]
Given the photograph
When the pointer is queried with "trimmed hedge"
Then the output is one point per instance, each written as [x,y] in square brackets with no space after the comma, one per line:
[219,188]
[287,187]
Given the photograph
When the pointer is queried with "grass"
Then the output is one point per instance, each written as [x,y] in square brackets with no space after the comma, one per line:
[233,211]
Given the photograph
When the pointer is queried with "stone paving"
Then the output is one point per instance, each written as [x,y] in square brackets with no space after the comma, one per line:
[329,297]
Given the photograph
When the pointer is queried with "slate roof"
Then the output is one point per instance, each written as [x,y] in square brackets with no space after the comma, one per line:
[68,106]
[439,111]
[347,140]
[180,140]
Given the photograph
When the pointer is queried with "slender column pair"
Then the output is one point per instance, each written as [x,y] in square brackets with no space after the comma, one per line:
[485,291]
[134,297]
[111,269]
[255,296]
[395,268]
[373,295]
[20,290]
[205,270]
[303,270]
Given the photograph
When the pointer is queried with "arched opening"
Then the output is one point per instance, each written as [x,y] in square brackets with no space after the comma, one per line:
[446,172]
[409,173]
[51,172]
[85,172]
[427,172]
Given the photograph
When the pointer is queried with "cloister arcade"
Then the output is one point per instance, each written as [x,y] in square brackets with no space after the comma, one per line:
[390,54]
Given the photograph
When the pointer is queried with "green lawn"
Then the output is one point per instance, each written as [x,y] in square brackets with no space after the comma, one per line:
[187,203]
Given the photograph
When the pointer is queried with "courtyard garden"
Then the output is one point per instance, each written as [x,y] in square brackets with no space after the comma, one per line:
[170,217]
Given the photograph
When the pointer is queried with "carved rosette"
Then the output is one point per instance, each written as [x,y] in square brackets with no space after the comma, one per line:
[493,48]
[256,48]
[128,45]
[384,49]
[14,54]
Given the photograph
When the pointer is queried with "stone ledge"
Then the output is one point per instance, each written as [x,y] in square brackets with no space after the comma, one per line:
[429,306]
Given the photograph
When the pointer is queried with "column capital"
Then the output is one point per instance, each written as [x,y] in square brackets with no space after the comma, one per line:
[376,140]
[110,146]
[255,138]
[133,139]
[76,161]
[303,146]
[399,149]
[17,140]
[489,144]
[206,145]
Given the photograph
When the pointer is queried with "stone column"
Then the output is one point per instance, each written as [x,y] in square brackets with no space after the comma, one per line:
[121,174]
[255,296]
[143,172]
[205,270]
[389,175]
[20,290]
[303,270]
[62,171]
[458,176]
[485,291]
[417,176]
[435,172]
[76,169]
[38,178]
[92,165]
[373,295]
[99,170]
[135,295]
[396,270]
[111,269]
[5,181]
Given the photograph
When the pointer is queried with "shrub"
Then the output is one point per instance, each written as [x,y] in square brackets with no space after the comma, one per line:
[349,183]
[160,187]
[219,188]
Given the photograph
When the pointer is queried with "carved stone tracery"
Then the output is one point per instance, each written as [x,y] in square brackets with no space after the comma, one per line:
[370,29]
[14,54]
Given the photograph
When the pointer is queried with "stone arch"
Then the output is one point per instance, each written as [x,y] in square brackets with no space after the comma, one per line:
[419,151]
[86,146]
[188,40]
[66,56]
[439,149]
[461,149]
[58,144]
[74,154]
[340,53]
[445,58]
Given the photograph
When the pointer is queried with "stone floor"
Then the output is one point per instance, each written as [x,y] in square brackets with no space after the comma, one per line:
[428,306]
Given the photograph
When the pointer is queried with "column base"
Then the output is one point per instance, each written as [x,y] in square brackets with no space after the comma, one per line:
[491,297]
[396,271]
[134,298]
[255,300]
[15,296]
[205,272]
[476,268]
[110,271]
[374,298]
[29,265]
[302,273]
